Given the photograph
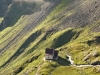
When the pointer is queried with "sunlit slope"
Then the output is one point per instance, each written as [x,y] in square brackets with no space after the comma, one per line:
[13,38]
[22,45]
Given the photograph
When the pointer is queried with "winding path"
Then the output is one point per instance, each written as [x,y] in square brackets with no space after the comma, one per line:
[38,69]
[72,62]
[37,72]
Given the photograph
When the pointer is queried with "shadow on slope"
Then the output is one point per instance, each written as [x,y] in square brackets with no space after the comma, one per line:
[62,61]
[16,10]
[95,40]
[22,66]
[64,38]
[23,46]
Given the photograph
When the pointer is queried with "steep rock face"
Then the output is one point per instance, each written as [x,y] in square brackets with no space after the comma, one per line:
[81,13]
[4,6]
[15,11]
[23,7]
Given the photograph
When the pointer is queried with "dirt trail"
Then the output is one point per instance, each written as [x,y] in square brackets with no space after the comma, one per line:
[72,62]
[40,64]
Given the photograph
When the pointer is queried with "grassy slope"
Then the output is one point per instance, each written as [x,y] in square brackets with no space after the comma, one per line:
[75,44]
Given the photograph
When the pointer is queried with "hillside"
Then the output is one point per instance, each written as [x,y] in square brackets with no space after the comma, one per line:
[28,27]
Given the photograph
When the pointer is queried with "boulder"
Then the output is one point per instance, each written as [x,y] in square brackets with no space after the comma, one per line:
[96,62]
[96,54]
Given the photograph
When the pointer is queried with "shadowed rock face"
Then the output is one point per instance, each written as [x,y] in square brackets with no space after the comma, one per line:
[17,8]
[3,6]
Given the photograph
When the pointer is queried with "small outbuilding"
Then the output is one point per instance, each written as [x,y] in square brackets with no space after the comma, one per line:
[51,54]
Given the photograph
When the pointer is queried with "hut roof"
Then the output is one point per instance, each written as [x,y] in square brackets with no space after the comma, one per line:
[49,51]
